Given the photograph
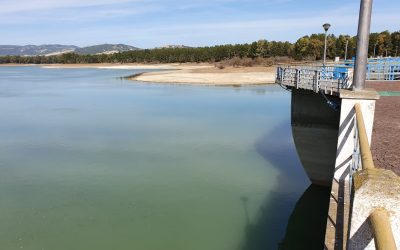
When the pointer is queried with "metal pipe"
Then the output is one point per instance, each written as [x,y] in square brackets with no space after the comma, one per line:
[365,151]
[375,49]
[364,25]
[382,230]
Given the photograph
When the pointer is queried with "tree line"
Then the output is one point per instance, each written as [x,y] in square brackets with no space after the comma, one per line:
[305,48]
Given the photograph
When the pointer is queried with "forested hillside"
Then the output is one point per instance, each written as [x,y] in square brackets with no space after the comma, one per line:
[305,48]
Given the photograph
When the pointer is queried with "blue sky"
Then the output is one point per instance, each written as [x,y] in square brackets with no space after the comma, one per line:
[151,23]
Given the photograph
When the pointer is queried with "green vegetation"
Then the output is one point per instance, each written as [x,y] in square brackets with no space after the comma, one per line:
[305,48]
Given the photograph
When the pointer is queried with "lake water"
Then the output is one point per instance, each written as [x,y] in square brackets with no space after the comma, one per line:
[91,161]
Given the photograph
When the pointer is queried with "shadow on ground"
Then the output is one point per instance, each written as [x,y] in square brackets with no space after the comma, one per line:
[306,227]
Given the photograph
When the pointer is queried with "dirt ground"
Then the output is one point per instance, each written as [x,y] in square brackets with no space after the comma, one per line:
[386,132]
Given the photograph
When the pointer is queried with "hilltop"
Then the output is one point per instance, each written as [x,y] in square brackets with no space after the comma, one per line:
[57,49]
[105,49]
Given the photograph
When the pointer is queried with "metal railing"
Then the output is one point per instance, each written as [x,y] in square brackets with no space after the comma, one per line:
[362,159]
[329,79]
[381,69]
[334,76]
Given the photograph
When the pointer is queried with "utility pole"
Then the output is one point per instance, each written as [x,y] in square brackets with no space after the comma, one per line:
[345,53]
[364,25]
[326,27]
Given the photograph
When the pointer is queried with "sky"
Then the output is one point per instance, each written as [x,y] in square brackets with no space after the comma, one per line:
[152,23]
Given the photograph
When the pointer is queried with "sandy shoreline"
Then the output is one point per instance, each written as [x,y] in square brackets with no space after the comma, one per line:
[209,75]
[198,74]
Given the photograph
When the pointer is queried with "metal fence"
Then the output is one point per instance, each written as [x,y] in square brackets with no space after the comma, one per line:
[381,69]
[383,72]
[332,77]
[329,79]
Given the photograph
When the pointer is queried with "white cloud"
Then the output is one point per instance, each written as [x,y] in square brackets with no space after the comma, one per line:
[341,19]
[84,22]
[48,12]
[12,6]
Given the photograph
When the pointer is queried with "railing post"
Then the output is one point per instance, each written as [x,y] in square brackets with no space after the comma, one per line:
[318,78]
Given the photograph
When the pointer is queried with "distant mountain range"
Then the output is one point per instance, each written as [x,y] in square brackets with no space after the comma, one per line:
[56,49]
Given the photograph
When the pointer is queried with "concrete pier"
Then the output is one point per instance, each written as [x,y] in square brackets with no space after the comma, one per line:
[347,158]
[332,129]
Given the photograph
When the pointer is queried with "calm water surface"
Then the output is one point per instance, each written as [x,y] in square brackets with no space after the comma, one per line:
[91,161]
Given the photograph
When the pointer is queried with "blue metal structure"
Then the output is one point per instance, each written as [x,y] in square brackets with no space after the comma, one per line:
[383,69]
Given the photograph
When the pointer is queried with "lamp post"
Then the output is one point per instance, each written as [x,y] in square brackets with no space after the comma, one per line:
[396,51]
[375,49]
[345,53]
[364,25]
[326,27]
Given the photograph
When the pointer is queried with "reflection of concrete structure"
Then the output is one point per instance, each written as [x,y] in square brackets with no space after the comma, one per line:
[306,225]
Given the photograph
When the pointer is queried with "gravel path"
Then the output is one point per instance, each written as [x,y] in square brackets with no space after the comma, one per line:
[386,133]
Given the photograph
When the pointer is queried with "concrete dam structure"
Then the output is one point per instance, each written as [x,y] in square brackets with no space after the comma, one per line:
[332,129]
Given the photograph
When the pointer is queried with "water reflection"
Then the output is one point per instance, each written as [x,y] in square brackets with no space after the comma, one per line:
[307,223]
[268,231]
[116,165]
[246,210]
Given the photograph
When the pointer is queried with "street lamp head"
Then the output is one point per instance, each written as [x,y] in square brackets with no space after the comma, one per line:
[326,26]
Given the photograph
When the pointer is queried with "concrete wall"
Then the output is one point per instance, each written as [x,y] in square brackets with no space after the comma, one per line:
[339,207]
[326,144]
[315,133]
[376,188]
